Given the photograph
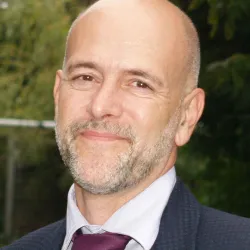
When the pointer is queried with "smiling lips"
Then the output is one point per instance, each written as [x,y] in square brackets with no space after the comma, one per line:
[100,136]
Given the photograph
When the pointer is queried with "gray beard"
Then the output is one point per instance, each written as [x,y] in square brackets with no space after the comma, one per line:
[130,167]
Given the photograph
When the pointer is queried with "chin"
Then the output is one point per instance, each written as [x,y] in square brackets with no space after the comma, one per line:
[99,177]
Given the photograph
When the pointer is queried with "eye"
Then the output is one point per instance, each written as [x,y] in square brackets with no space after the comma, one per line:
[83,82]
[140,84]
[84,78]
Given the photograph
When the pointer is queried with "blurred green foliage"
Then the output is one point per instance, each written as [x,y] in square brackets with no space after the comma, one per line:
[215,164]
[32,45]
[219,151]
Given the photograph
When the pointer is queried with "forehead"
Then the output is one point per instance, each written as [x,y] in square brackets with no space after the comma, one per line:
[119,37]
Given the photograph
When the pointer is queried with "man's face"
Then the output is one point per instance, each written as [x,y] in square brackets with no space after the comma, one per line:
[116,118]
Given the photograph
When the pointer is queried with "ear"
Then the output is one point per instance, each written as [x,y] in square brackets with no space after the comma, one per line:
[58,82]
[192,109]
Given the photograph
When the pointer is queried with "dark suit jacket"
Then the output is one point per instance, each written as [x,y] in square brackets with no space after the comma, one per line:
[185,225]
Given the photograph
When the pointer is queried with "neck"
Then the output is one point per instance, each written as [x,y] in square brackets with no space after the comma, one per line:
[97,209]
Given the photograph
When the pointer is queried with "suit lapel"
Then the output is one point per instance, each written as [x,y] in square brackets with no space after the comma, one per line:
[50,237]
[179,223]
[54,238]
[178,227]
[58,236]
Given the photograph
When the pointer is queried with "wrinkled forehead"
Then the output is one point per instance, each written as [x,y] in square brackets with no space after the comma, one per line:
[129,29]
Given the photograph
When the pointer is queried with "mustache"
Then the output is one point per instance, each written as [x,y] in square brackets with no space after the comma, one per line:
[76,128]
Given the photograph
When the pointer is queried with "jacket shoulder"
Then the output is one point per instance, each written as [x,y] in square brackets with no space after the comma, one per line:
[48,237]
[220,230]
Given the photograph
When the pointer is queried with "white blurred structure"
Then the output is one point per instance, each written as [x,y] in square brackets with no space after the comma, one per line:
[26,123]
[4,5]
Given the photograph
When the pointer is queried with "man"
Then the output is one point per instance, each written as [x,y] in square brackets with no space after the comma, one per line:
[125,100]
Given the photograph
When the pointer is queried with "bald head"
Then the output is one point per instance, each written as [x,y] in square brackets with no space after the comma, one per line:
[130,70]
[160,19]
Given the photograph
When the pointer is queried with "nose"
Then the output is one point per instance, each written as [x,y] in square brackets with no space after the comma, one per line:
[105,103]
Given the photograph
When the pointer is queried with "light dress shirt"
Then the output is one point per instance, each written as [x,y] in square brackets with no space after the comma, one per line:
[139,218]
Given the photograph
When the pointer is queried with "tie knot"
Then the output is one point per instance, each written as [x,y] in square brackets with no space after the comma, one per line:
[104,241]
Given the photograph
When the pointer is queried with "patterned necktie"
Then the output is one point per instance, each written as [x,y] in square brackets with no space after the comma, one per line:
[104,241]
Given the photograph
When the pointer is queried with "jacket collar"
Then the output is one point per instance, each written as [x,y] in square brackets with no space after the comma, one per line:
[56,236]
[179,223]
[52,237]
[178,227]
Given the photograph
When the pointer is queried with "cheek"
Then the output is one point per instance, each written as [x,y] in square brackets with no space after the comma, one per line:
[147,118]
[71,107]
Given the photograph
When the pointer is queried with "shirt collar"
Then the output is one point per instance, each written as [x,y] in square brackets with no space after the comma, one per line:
[139,218]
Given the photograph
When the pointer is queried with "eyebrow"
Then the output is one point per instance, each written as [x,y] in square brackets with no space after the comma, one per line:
[136,72]
[144,74]
[81,64]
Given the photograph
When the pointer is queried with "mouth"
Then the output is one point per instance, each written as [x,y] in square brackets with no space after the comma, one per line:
[100,136]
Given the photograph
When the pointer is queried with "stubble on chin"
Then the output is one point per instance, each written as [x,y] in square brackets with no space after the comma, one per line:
[95,173]
[98,175]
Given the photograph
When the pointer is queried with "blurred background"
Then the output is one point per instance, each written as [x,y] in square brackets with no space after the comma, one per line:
[34,182]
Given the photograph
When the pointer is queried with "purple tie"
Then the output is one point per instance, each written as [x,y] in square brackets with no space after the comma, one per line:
[104,241]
